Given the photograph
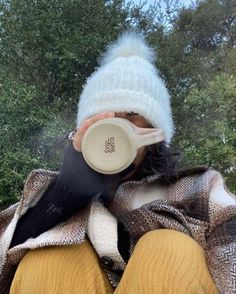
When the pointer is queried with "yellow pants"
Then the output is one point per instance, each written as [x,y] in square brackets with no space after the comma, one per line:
[164,261]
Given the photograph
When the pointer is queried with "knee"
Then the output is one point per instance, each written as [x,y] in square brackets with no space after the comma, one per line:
[61,269]
[168,241]
[164,261]
[56,256]
[168,248]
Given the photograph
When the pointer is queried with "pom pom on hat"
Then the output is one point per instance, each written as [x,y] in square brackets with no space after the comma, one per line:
[128,44]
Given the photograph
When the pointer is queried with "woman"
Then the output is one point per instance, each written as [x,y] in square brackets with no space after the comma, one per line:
[149,228]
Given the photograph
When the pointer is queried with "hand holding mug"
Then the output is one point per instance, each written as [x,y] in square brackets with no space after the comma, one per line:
[110,145]
[79,134]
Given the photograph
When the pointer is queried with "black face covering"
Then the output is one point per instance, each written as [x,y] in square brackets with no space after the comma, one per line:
[70,192]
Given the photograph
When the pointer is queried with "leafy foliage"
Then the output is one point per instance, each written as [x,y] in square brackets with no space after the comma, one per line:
[210,133]
[197,60]
[49,47]
[47,50]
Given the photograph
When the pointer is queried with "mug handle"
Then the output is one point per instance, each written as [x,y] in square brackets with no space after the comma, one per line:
[149,137]
[143,131]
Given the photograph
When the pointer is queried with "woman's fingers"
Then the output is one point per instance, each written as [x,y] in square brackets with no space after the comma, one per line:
[89,121]
[86,124]
[99,116]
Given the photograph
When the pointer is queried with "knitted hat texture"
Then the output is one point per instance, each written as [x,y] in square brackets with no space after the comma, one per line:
[127,80]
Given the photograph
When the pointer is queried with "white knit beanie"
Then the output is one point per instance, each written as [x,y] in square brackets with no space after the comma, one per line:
[127,80]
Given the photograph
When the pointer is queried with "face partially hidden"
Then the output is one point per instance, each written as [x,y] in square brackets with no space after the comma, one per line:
[141,122]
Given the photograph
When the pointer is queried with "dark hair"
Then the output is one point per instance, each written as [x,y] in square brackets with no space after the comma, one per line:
[160,159]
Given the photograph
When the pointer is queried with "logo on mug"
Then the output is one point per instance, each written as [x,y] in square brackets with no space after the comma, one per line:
[110,145]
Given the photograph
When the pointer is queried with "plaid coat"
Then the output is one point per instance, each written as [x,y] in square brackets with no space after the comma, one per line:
[197,204]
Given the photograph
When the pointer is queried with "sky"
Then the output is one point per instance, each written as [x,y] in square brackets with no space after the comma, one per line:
[149,2]
[181,3]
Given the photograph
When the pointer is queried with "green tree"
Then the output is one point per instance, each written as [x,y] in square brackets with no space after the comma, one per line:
[210,133]
[194,50]
[55,44]
[47,50]
[196,57]
[18,120]
[49,47]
